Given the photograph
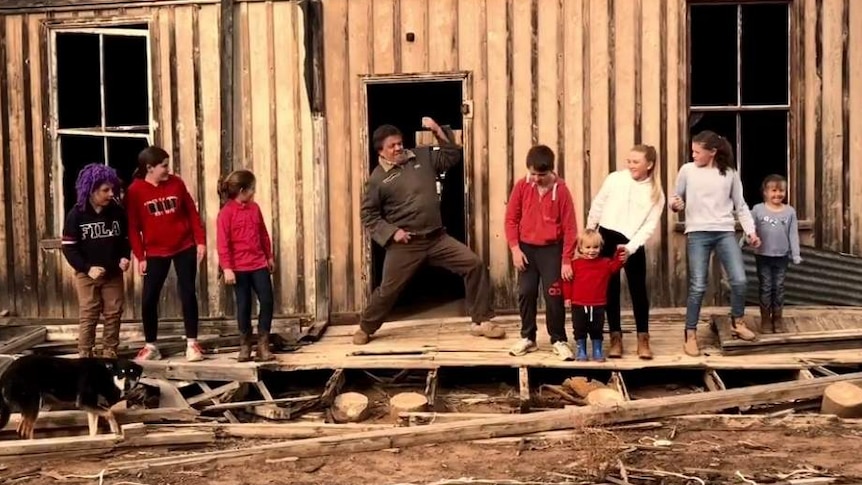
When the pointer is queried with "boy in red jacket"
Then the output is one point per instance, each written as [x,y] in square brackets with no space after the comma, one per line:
[587,292]
[541,232]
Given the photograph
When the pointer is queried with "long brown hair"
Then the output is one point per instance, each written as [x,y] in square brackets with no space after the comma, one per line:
[723,151]
[651,156]
[230,185]
[149,157]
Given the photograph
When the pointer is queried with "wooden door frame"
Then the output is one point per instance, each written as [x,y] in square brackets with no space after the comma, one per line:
[466,79]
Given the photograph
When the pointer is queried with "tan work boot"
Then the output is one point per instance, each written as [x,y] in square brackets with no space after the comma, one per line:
[263,353]
[766,319]
[644,352]
[360,337]
[778,320]
[487,330]
[690,347]
[616,349]
[244,348]
[741,330]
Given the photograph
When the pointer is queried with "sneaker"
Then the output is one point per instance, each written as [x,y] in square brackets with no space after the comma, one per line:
[563,351]
[149,352]
[194,352]
[487,330]
[523,347]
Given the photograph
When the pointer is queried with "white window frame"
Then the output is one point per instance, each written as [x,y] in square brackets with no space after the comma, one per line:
[103,131]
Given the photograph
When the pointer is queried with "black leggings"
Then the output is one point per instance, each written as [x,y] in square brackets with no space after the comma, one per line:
[186,268]
[261,283]
[635,277]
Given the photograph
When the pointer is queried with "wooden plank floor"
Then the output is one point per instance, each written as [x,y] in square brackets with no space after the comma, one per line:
[439,343]
[813,331]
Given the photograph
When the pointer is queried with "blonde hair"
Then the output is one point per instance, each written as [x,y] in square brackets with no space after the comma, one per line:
[651,156]
[590,236]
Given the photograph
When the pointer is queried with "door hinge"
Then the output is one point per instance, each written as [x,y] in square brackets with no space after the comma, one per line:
[467,108]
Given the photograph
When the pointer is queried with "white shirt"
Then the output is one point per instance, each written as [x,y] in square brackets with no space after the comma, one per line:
[625,205]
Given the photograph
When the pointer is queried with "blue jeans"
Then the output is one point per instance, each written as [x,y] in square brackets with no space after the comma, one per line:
[701,244]
[771,271]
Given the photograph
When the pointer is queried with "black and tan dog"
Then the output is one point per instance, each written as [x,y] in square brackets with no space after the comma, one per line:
[91,384]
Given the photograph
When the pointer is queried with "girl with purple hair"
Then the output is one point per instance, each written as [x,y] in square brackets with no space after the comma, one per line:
[96,245]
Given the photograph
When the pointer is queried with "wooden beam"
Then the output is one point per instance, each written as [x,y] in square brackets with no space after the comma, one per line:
[516,424]
[431,388]
[243,404]
[14,340]
[214,393]
[619,384]
[227,414]
[805,374]
[713,381]
[524,384]
[76,419]
[226,84]
[181,370]
[288,431]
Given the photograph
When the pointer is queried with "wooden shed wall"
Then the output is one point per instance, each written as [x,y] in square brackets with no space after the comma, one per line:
[590,78]
[272,137]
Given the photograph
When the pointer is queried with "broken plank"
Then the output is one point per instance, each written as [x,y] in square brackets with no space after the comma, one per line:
[213,393]
[513,425]
[271,430]
[192,437]
[227,414]
[420,418]
[242,404]
[805,374]
[57,445]
[431,387]
[14,340]
[524,384]
[713,381]
[208,370]
[619,384]
[73,419]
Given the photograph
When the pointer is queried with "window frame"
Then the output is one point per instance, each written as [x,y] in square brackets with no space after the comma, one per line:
[102,28]
[793,108]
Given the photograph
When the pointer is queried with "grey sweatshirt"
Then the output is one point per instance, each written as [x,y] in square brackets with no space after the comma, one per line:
[778,232]
[712,200]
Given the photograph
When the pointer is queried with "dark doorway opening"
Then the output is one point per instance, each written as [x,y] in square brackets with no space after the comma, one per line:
[432,291]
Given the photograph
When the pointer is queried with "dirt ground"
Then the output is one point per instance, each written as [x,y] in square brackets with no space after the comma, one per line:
[714,453]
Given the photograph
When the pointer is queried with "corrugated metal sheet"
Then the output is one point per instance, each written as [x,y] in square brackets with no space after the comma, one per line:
[823,278]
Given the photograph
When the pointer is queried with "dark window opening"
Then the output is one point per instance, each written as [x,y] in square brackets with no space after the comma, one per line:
[103,101]
[433,290]
[740,84]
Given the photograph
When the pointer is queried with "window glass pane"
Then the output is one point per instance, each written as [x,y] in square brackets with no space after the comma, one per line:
[123,156]
[765,41]
[126,91]
[764,150]
[79,102]
[75,153]
[713,55]
[722,123]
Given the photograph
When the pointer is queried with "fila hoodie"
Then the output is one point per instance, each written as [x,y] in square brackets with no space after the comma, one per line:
[93,238]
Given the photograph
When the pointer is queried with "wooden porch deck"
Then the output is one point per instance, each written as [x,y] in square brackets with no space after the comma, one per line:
[433,344]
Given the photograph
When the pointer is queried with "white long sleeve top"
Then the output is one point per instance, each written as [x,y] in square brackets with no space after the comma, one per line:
[625,205]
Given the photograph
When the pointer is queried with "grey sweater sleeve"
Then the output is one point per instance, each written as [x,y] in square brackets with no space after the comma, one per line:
[793,235]
[743,215]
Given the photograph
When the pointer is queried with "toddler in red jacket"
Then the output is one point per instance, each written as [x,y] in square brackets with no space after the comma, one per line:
[586,293]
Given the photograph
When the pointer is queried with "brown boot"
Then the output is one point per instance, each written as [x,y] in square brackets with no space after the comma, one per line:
[263,353]
[778,320]
[244,348]
[85,353]
[644,352]
[690,347]
[741,330]
[766,319]
[360,337]
[616,349]
[109,352]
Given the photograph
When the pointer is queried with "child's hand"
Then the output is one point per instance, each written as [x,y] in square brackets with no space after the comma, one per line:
[96,272]
[201,252]
[519,259]
[754,240]
[676,203]
[229,277]
[566,271]
[124,264]
[142,267]
[797,260]
[622,252]
[568,303]
[270,265]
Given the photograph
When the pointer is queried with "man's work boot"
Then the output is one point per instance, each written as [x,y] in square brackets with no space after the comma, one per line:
[360,337]
[690,347]
[244,348]
[739,328]
[487,330]
[263,353]
[766,319]
[616,349]
[644,352]
[778,320]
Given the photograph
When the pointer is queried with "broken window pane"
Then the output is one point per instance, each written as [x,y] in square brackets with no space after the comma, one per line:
[78,94]
[123,156]
[764,150]
[76,152]
[713,55]
[126,89]
[764,51]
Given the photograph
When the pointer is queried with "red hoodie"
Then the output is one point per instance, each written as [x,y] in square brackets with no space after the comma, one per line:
[541,219]
[163,219]
[242,239]
[589,286]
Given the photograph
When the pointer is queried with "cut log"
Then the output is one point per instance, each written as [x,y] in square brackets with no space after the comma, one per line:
[843,399]
[349,407]
[582,386]
[407,402]
[513,425]
[604,397]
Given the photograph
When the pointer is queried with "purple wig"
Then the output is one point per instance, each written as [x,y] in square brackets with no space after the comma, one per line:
[91,178]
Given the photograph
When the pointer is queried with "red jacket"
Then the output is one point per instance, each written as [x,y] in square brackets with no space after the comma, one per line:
[163,219]
[242,239]
[589,286]
[541,219]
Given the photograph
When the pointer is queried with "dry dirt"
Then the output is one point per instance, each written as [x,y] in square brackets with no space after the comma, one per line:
[761,455]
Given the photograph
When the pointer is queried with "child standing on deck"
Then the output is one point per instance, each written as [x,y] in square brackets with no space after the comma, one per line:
[96,245]
[778,229]
[587,292]
[710,191]
[245,256]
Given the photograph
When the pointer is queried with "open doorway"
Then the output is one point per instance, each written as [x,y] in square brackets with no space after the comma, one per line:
[433,292]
